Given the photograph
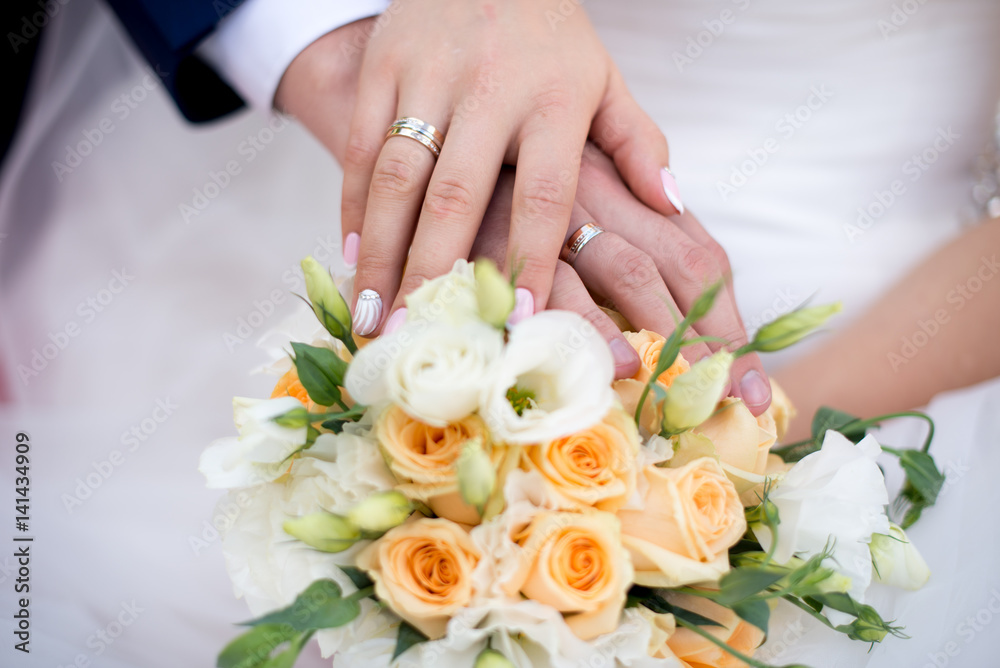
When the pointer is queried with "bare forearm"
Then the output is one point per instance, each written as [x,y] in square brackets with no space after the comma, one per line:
[935,330]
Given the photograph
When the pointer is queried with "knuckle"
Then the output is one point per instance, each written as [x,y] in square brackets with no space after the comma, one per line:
[720,257]
[545,196]
[394,178]
[359,152]
[449,197]
[634,269]
[555,99]
[696,265]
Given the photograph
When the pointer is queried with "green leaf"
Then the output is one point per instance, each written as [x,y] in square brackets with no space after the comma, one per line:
[357,576]
[320,606]
[288,657]
[741,584]
[253,648]
[407,638]
[321,372]
[652,599]
[756,612]
[830,418]
[922,473]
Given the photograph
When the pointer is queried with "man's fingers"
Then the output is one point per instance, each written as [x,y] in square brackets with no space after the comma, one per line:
[627,276]
[569,294]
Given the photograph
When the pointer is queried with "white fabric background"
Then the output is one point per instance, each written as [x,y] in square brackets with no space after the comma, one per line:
[162,337]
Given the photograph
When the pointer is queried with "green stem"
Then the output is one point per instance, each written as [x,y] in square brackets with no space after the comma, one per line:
[362,594]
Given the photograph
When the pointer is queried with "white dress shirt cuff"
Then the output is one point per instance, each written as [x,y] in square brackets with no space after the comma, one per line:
[253,46]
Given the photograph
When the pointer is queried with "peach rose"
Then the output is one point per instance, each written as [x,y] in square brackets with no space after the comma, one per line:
[690,518]
[424,459]
[648,345]
[423,571]
[592,468]
[575,563]
[742,442]
[695,651]
[781,409]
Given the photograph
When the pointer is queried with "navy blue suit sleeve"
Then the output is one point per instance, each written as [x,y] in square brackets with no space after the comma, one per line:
[167,33]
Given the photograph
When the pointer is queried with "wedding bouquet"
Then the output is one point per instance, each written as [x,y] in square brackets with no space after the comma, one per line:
[460,493]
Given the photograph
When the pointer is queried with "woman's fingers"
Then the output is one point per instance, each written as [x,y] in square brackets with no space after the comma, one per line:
[372,115]
[457,197]
[569,294]
[548,166]
[625,132]
[398,182]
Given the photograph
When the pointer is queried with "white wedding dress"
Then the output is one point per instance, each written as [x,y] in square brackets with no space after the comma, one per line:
[828,145]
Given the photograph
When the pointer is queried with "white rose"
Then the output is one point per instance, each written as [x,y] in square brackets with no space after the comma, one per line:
[259,453]
[836,495]
[450,298]
[559,361]
[436,373]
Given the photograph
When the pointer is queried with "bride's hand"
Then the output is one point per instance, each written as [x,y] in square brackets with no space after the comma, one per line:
[516,81]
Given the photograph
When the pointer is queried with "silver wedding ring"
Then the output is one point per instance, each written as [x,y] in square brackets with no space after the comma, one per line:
[414,128]
[578,240]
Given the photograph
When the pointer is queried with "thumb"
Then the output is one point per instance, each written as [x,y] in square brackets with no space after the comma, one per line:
[633,140]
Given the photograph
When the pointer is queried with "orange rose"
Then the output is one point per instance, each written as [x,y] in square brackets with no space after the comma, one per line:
[648,345]
[424,459]
[691,516]
[697,652]
[742,443]
[289,385]
[423,571]
[575,563]
[592,468]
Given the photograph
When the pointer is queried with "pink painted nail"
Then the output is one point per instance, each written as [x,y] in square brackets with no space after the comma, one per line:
[524,306]
[394,321]
[351,245]
[670,188]
[625,357]
[367,312]
[755,390]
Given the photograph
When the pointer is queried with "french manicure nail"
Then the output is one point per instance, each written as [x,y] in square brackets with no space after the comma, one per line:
[623,354]
[367,312]
[351,246]
[670,188]
[394,321]
[755,390]
[524,306]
